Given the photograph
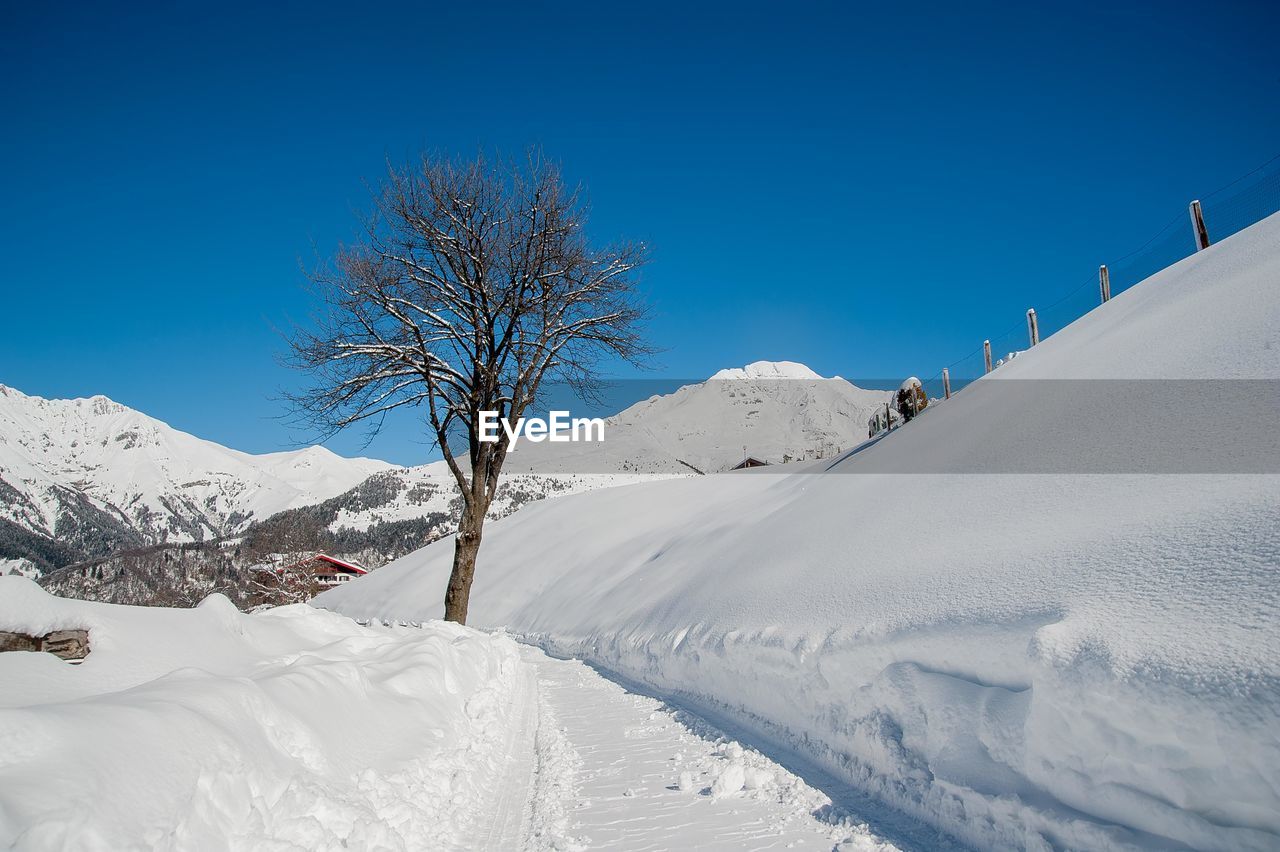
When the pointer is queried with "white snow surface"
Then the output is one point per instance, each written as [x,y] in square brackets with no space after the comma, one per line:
[211,729]
[1027,661]
[767,370]
[157,479]
[648,775]
[299,729]
[431,487]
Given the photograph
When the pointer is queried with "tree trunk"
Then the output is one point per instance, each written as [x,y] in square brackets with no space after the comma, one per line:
[465,547]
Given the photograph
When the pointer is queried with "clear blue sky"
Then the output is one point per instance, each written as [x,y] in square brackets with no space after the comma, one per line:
[868,189]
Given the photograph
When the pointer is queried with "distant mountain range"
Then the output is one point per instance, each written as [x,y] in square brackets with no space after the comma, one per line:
[125,500]
[86,477]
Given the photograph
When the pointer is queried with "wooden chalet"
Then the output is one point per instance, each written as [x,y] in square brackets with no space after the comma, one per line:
[749,461]
[328,570]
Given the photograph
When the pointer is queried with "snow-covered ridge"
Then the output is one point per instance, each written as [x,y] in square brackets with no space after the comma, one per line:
[775,411]
[767,370]
[1026,661]
[94,462]
[19,568]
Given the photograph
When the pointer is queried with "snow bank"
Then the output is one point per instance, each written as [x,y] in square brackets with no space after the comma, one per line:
[210,729]
[1027,661]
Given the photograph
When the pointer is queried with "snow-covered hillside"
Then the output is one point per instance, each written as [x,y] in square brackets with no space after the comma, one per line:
[19,568]
[95,472]
[86,478]
[1029,661]
[431,489]
[776,410]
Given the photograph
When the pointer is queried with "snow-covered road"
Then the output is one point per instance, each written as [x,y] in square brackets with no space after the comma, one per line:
[592,765]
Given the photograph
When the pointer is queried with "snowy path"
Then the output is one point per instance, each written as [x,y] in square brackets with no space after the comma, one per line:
[607,768]
[507,820]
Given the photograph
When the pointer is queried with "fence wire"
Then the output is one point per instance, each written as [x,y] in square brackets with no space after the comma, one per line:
[1227,210]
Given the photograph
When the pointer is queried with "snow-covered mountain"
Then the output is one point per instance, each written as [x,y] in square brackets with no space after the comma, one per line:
[778,410]
[87,478]
[92,475]
[775,411]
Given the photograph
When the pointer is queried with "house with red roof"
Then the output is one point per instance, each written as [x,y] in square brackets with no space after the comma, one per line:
[328,570]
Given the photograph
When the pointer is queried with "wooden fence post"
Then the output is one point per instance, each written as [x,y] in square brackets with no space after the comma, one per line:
[986,354]
[1197,225]
[1033,327]
[946,383]
[1104,283]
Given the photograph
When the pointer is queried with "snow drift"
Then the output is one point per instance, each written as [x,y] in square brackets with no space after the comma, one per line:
[210,729]
[1028,661]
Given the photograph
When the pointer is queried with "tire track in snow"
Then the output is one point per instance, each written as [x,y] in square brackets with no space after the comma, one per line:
[845,803]
[510,807]
[621,770]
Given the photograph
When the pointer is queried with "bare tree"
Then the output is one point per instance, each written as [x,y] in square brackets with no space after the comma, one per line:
[282,584]
[475,283]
